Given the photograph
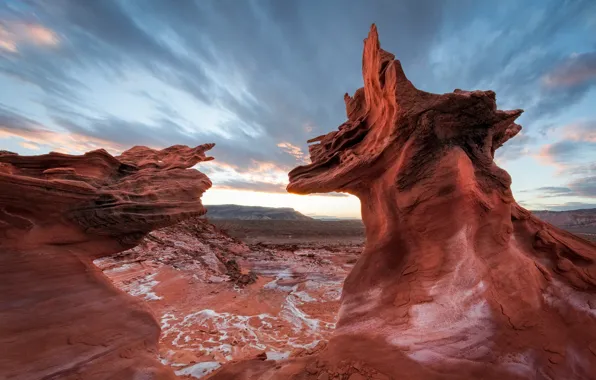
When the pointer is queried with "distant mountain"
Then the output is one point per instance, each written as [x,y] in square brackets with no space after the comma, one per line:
[571,218]
[253,213]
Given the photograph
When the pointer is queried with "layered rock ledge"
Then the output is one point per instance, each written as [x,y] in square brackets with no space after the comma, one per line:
[60,317]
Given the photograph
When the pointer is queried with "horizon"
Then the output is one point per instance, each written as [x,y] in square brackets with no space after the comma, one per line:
[359,217]
[260,79]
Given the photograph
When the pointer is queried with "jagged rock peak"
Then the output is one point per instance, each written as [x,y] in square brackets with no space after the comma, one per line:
[387,114]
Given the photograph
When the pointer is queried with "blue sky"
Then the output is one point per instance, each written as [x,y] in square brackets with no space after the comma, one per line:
[260,77]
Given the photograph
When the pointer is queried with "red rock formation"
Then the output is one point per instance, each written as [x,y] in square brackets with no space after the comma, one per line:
[456,281]
[61,318]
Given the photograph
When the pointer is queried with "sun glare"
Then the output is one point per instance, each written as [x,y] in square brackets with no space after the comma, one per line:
[312,205]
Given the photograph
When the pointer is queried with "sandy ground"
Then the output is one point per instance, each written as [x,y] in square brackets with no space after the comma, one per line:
[295,231]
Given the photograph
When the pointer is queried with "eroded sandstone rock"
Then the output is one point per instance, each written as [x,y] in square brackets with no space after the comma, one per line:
[457,281]
[60,317]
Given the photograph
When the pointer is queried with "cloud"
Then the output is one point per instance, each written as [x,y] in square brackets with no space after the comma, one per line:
[36,135]
[577,145]
[584,170]
[30,145]
[564,151]
[577,70]
[14,34]
[265,187]
[259,186]
[551,190]
[7,42]
[265,177]
[584,187]
[567,206]
[509,48]
[41,35]
[294,151]
[581,131]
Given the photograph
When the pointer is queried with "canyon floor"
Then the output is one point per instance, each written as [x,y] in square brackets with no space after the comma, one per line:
[273,294]
[240,289]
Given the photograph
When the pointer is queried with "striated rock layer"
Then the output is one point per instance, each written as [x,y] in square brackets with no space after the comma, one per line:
[60,317]
[456,281]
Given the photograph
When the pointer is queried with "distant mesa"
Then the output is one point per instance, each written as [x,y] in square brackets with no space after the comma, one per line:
[570,218]
[456,281]
[61,318]
[231,211]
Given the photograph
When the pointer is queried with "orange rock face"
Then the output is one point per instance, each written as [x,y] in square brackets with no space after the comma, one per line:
[456,281]
[60,317]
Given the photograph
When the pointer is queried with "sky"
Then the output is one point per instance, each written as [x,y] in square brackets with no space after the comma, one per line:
[259,78]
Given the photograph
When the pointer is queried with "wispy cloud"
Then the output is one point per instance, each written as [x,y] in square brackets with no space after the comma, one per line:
[15,34]
[566,206]
[259,186]
[7,42]
[575,148]
[584,187]
[36,135]
[30,145]
[581,131]
[293,151]
[577,70]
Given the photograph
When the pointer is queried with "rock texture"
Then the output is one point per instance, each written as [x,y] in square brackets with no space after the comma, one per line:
[210,315]
[456,281]
[61,318]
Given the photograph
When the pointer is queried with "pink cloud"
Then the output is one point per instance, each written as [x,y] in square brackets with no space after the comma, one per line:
[576,139]
[578,69]
[41,35]
[582,131]
[293,150]
[12,35]
[36,136]
[29,145]
[545,155]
